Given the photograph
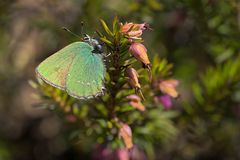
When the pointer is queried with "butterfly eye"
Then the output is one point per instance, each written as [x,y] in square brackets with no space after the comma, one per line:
[99,48]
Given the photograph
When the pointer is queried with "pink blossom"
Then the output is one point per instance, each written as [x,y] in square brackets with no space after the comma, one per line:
[139,51]
[125,133]
[122,154]
[166,101]
[169,87]
[132,30]
[135,101]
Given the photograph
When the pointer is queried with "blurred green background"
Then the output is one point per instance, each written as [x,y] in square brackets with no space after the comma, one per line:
[200,37]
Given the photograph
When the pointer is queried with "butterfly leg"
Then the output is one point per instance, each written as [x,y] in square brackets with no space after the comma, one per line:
[107,55]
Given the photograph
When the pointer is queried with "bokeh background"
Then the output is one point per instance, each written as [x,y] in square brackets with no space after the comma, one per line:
[200,37]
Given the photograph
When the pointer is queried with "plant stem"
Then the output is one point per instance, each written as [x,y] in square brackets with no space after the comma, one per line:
[114,75]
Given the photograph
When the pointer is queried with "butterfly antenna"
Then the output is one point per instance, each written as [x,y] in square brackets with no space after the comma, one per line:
[81,29]
[65,29]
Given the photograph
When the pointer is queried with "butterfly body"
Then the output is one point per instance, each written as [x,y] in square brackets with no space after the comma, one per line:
[77,68]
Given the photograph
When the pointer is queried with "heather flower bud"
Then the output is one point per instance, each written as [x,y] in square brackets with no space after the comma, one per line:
[134,34]
[132,75]
[137,154]
[139,51]
[122,154]
[102,152]
[127,27]
[135,101]
[165,100]
[143,26]
[125,133]
[169,87]
[134,98]
[132,30]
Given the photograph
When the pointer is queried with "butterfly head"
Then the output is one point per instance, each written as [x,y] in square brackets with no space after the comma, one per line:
[97,47]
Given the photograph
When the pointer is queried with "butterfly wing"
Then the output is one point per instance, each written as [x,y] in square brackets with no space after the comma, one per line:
[86,74]
[54,69]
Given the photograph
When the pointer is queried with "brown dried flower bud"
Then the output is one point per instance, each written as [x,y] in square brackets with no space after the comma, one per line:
[132,75]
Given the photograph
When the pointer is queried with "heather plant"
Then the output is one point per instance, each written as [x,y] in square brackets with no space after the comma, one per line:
[134,114]
[198,119]
[212,115]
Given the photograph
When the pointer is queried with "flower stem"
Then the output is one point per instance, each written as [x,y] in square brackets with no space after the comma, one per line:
[114,78]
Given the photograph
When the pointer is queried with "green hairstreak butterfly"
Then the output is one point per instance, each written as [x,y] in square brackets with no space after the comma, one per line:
[77,69]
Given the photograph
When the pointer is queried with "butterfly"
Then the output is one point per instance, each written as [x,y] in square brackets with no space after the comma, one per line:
[77,69]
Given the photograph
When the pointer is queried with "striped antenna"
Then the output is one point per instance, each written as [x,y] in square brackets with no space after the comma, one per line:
[66,29]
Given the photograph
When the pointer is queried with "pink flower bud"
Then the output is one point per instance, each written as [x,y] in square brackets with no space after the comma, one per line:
[102,152]
[122,154]
[134,97]
[132,75]
[124,28]
[134,34]
[125,133]
[139,51]
[132,30]
[165,100]
[137,154]
[127,27]
[143,26]
[135,102]
[169,87]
